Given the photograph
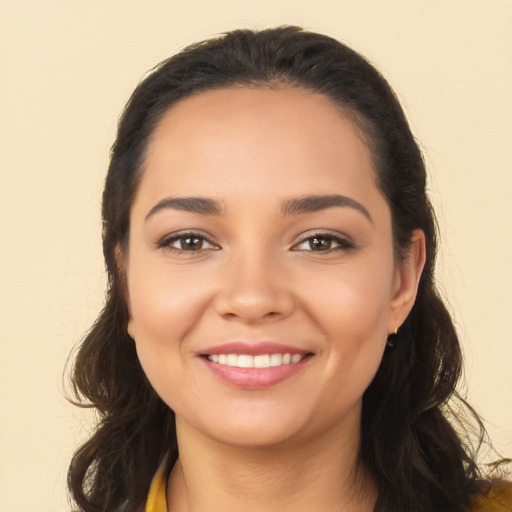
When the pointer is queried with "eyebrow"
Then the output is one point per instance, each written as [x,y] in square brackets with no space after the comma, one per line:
[200,205]
[309,204]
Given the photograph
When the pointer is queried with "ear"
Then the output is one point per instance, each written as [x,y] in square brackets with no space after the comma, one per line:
[407,278]
[121,270]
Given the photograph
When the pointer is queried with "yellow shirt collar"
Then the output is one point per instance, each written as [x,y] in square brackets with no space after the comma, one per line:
[157,497]
[498,499]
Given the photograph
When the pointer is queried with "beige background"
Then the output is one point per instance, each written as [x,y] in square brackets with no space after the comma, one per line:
[66,69]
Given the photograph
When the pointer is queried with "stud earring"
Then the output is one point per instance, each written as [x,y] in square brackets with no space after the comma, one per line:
[389,342]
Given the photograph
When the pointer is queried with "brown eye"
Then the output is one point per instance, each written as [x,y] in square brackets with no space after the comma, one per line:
[190,243]
[320,243]
[186,242]
[327,243]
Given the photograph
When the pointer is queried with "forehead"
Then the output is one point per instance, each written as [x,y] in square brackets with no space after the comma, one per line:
[277,109]
[249,140]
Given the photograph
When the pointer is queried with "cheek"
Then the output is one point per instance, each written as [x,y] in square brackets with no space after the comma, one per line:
[165,306]
[163,302]
[351,307]
[162,315]
[351,299]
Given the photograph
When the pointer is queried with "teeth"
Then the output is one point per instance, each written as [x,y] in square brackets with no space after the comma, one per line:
[276,359]
[245,361]
[262,361]
[259,361]
[232,360]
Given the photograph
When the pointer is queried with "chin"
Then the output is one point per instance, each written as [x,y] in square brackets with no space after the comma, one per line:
[249,429]
[255,437]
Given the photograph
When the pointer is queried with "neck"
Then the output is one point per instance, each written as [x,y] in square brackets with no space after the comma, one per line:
[320,474]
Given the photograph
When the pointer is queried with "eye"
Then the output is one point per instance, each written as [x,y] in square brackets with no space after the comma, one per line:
[323,242]
[187,242]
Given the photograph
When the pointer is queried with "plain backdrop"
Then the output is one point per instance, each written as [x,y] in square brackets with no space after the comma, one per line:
[67,68]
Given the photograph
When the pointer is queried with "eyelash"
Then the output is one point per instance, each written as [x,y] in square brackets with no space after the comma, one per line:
[342,243]
[168,241]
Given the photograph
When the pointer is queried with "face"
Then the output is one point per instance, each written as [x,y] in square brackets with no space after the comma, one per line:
[261,281]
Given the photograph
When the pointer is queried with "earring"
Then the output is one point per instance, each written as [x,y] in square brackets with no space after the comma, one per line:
[389,342]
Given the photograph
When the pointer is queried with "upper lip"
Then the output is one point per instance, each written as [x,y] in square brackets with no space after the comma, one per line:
[252,348]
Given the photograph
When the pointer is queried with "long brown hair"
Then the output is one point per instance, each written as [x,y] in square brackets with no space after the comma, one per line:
[411,449]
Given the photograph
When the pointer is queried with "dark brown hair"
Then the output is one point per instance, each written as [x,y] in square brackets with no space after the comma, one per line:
[411,449]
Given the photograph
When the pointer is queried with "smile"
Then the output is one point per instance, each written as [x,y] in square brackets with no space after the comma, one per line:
[257,361]
[255,366]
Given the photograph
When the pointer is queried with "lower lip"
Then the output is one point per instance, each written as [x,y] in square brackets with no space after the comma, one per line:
[255,378]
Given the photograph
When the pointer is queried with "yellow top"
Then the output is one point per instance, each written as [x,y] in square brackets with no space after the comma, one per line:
[498,499]
[157,497]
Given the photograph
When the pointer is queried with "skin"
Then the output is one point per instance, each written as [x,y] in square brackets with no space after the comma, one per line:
[255,276]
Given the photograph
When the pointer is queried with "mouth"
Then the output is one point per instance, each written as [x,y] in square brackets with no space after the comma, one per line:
[256,361]
[255,366]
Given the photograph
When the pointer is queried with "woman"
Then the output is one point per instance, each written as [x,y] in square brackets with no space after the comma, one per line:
[272,337]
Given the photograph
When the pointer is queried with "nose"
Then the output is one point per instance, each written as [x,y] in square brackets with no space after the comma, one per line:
[254,288]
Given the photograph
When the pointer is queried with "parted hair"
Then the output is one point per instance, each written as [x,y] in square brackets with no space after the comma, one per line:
[416,451]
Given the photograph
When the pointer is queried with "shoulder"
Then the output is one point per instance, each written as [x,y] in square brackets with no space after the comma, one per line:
[495,496]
